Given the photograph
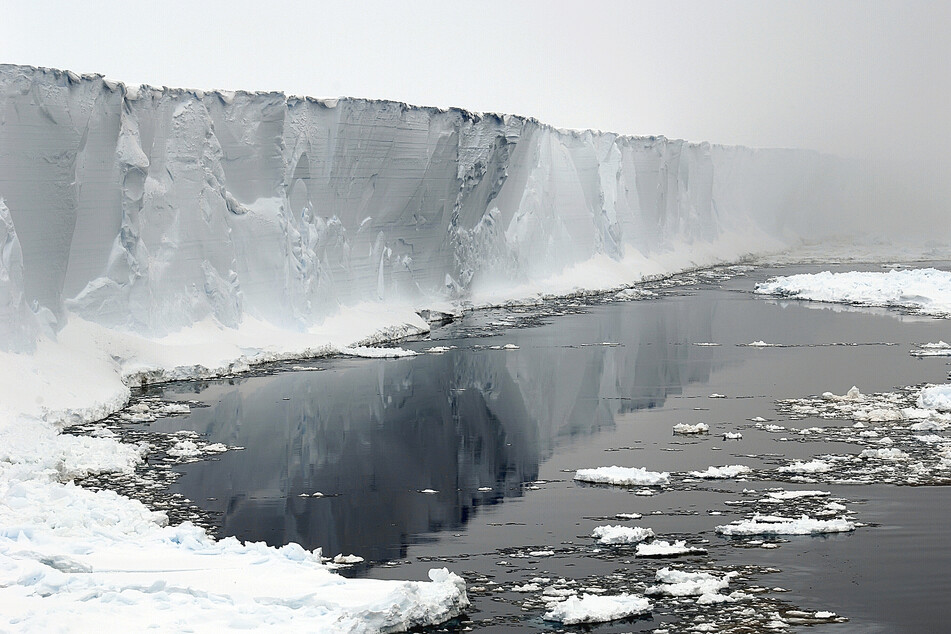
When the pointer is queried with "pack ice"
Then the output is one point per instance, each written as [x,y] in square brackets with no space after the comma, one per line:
[153,233]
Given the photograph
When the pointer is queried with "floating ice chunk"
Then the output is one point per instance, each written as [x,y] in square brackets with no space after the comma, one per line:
[926,291]
[732,435]
[528,587]
[541,553]
[591,608]
[629,516]
[184,449]
[429,491]
[729,471]
[347,559]
[616,534]
[852,395]
[929,426]
[484,489]
[936,397]
[623,476]
[644,492]
[705,343]
[687,428]
[940,345]
[813,466]
[658,548]
[761,344]
[884,454]
[792,495]
[773,525]
[717,395]
[439,349]
[679,583]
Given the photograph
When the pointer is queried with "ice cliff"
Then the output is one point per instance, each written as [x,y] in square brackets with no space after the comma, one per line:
[150,209]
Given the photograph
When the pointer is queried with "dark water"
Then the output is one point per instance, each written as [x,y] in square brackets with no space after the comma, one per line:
[372,434]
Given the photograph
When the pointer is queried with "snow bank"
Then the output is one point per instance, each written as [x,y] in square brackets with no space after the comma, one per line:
[774,525]
[623,476]
[592,608]
[926,291]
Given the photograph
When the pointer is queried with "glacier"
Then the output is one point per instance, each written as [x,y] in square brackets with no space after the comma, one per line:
[149,210]
[158,233]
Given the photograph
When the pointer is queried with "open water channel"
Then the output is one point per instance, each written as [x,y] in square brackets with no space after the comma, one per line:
[466,458]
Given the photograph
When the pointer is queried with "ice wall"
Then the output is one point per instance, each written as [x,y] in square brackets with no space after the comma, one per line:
[149,209]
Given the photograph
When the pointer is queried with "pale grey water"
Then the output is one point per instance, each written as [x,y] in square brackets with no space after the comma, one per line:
[372,434]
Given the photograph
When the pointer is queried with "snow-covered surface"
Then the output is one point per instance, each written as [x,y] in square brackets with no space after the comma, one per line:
[616,534]
[775,525]
[623,476]
[592,608]
[926,291]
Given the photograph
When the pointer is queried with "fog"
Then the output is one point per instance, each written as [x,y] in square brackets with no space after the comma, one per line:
[866,80]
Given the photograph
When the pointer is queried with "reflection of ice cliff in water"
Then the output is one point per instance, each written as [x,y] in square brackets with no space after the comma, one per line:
[371,434]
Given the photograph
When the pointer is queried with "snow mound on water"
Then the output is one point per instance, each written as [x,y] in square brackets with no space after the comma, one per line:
[591,608]
[926,291]
[623,476]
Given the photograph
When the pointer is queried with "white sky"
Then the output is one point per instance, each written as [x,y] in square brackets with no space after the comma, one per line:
[857,78]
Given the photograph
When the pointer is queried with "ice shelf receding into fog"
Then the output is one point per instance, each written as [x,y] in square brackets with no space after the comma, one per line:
[154,233]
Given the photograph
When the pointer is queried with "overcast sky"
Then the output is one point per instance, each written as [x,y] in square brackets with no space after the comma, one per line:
[849,77]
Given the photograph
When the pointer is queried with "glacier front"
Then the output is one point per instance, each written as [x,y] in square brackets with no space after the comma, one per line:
[152,233]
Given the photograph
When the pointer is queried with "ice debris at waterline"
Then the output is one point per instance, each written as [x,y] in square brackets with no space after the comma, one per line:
[925,291]
[903,437]
[623,476]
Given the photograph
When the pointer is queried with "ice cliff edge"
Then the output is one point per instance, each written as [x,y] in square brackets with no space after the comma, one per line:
[150,209]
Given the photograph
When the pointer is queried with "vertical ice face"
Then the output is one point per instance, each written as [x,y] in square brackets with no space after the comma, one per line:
[17,327]
[149,209]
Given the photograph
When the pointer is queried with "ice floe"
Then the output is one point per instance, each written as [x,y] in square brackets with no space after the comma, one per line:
[728,471]
[591,608]
[616,534]
[926,291]
[775,525]
[623,476]
[688,429]
[659,548]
